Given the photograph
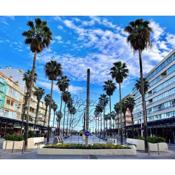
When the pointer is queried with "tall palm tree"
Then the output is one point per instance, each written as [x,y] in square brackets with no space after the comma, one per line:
[54,107]
[26,78]
[130,104]
[124,109]
[39,92]
[66,97]
[117,111]
[69,106]
[119,72]
[63,84]
[59,116]
[38,37]
[47,102]
[72,111]
[109,87]
[103,101]
[97,112]
[113,116]
[52,70]
[139,38]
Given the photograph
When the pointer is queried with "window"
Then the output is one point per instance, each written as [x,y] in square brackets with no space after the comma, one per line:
[8,101]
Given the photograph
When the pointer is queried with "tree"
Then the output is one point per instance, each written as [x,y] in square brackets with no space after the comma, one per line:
[66,97]
[103,101]
[59,116]
[109,87]
[124,109]
[47,102]
[63,84]
[130,104]
[119,72]
[139,38]
[52,70]
[37,37]
[39,92]
[98,110]
[69,106]
[117,111]
[54,107]
[26,79]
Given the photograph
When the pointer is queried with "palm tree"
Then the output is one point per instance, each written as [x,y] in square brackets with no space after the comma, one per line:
[113,116]
[72,111]
[26,79]
[117,111]
[39,92]
[37,37]
[66,97]
[119,72]
[63,84]
[97,112]
[54,107]
[138,85]
[130,104]
[124,109]
[47,102]
[69,106]
[103,101]
[52,70]
[139,38]
[59,117]
[109,87]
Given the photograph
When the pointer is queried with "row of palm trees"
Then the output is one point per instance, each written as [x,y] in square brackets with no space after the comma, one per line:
[39,37]
[139,33]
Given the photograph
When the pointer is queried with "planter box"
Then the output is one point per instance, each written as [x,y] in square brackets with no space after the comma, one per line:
[9,145]
[140,145]
[33,143]
[53,151]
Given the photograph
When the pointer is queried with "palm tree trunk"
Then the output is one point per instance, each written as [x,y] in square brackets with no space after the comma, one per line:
[45,116]
[104,123]
[54,119]
[29,99]
[132,124]
[110,111]
[50,103]
[124,115]
[64,118]
[67,124]
[143,102]
[58,129]
[120,115]
[37,110]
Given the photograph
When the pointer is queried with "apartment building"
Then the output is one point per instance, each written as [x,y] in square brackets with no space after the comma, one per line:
[160,99]
[12,93]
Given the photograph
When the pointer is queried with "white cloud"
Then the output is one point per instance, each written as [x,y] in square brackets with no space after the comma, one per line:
[72,89]
[110,43]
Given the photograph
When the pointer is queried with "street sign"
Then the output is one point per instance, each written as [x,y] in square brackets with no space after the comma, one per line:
[86,133]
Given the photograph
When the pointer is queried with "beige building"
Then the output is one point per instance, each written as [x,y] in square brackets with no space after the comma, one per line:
[12,92]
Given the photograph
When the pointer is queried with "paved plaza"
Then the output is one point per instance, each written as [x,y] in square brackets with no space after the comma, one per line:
[78,139]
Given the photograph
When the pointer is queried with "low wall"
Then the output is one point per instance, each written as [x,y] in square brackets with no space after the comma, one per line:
[140,145]
[52,151]
[33,143]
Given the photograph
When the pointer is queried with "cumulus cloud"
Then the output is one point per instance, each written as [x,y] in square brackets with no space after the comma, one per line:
[111,45]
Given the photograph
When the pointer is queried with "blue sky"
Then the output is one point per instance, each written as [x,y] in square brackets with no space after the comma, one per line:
[85,42]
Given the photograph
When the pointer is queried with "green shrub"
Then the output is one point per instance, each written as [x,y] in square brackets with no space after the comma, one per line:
[14,137]
[31,134]
[81,146]
[154,139]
